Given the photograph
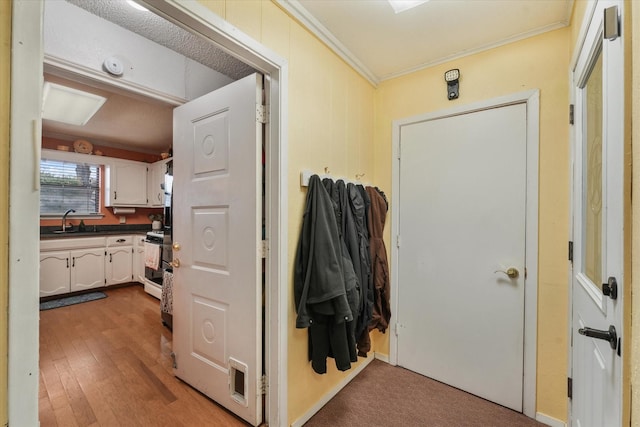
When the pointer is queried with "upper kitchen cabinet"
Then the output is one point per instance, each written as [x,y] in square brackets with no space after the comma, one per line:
[126,183]
[155,182]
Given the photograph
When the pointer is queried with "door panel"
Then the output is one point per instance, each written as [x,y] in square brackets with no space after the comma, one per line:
[462,226]
[217,224]
[598,227]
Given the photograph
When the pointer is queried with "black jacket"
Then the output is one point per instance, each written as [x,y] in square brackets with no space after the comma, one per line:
[320,286]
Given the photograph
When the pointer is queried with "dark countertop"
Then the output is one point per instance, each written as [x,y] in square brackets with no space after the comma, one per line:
[46,232]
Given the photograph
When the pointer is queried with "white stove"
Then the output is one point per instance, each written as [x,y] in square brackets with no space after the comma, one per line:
[156,233]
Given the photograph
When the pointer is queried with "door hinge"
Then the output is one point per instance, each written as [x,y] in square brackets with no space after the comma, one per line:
[571,108]
[264,248]
[261,113]
[398,241]
[570,388]
[264,384]
[396,328]
[571,251]
[173,358]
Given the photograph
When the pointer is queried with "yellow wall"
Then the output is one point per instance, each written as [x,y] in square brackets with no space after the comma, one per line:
[330,125]
[539,62]
[5,74]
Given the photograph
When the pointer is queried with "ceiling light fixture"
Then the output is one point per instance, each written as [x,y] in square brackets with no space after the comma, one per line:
[135,5]
[67,105]
[402,5]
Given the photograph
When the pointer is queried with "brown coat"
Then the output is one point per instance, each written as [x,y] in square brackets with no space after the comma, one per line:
[379,265]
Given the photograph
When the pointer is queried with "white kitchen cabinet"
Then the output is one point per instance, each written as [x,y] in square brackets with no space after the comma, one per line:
[54,273]
[119,260]
[87,269]
[70,265]
[155,180]
[125,183]
[138,259]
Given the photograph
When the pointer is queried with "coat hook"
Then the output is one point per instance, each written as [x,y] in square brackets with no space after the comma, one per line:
[359,176]
[326,170]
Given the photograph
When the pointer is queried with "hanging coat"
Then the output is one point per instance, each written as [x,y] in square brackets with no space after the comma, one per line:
[380,266]
[319,282]
[352,286]
[364,342]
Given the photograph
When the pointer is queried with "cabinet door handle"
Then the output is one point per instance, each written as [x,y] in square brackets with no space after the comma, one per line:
[115,195]
[67,262]
[110,257]
[73,262]
[120,240]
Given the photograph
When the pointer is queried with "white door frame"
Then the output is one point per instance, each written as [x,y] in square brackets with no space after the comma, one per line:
[532,100]
[26,100]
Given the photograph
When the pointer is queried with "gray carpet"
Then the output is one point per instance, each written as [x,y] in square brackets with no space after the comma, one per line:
[75,299]
[388,396]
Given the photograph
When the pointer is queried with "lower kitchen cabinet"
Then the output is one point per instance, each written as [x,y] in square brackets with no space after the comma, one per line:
[119,260]
[76,264]
[87,269]
[70,271]
[54,273]
[138,259]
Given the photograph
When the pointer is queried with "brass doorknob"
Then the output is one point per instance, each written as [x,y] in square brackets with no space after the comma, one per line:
[175,263]
[176,246]
[512,272]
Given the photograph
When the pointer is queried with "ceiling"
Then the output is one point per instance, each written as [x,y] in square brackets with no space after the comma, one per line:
[131,121]
[366,33]
[382,44]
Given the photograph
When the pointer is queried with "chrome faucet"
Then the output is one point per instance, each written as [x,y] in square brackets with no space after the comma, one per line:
[64,219]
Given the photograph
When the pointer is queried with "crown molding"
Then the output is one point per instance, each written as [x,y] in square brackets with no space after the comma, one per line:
[297,11]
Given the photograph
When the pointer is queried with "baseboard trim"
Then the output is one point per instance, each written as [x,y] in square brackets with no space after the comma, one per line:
[381,357]
[327,397]
[550,421]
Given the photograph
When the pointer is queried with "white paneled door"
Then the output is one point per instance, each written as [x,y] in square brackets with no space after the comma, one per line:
[217,233]
[461,256]
[598,224]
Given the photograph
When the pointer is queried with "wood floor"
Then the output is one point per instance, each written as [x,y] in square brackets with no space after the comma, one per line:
[108,363]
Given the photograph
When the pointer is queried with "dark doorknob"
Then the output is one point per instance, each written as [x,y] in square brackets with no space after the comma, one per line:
[609,335]
[610,288]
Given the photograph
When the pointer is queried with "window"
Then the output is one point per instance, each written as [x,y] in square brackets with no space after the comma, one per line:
[69,185]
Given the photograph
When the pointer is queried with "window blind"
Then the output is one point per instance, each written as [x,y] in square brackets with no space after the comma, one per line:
[69,185]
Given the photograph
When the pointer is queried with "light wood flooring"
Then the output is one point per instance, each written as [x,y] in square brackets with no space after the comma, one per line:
[108,363]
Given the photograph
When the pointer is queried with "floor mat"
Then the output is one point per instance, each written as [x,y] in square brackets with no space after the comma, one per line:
[76,299]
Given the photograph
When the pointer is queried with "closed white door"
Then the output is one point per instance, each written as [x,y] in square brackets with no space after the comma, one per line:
[217,225]
[461,255]
[598,232]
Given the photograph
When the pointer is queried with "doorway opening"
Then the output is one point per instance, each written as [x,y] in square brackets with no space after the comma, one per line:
[22,395]
[466,209]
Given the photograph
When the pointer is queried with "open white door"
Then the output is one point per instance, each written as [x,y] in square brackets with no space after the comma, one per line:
[596,364]
[217,225]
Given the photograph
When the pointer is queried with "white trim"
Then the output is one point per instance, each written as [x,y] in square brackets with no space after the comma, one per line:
[532,100]
[332,393]
[550,421]
[382,357]
[299,12]
[27,63]
[24,213]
